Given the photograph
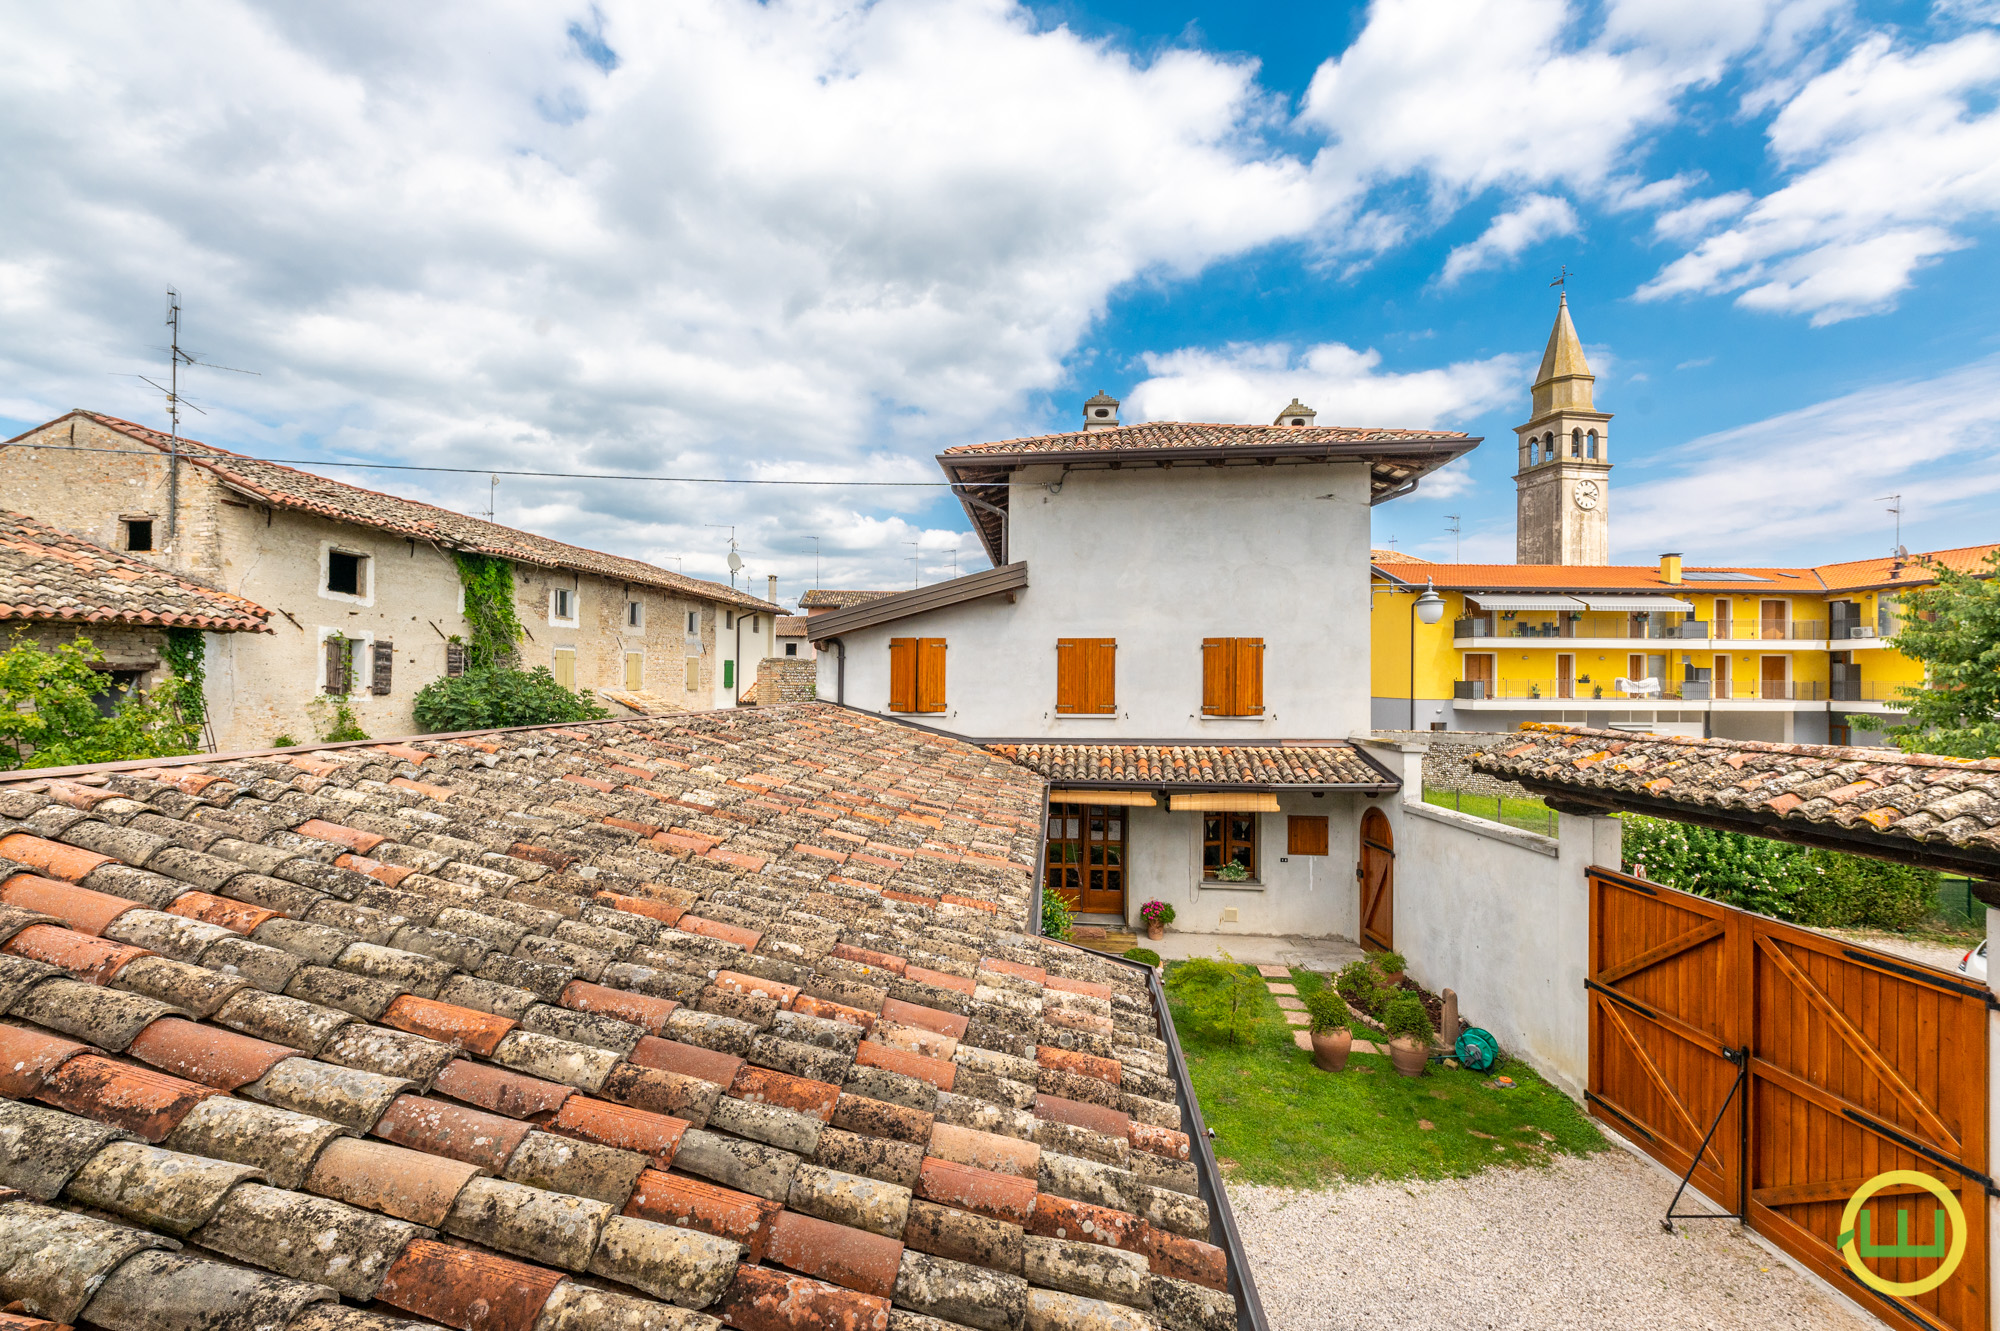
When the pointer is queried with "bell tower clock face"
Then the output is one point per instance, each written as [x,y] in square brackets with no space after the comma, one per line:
[1586,495]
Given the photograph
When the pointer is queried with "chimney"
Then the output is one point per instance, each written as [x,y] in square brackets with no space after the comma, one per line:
[1670,570]
[772,579]
[1295,413]
[1101,412]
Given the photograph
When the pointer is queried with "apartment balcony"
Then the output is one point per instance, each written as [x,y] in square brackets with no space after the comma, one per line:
[1513,694]
[1478,631]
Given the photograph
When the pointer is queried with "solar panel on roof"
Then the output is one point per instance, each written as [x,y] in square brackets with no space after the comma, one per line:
[1718,575]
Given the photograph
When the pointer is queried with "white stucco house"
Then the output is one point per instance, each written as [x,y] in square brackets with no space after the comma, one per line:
[1175,633]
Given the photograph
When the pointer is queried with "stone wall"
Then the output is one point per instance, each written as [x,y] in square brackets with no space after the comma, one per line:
[783,679]
[1447,759]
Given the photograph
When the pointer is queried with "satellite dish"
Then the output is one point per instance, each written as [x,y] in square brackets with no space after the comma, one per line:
[735,562]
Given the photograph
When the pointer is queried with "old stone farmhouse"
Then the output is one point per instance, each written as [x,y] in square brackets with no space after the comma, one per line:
[376,574]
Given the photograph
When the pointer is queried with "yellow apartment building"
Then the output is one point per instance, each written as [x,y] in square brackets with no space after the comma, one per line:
[1786,654]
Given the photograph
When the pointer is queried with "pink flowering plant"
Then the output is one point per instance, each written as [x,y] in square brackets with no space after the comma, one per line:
[1157,912]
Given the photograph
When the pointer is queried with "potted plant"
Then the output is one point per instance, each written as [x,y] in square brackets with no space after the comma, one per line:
[1331,1038]
[1391,965]
[1157,915]
[1408,1027]
[1232,872]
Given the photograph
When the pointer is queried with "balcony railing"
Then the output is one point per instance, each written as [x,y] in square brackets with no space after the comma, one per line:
[1552,690]
[1606,626]
[1855,690]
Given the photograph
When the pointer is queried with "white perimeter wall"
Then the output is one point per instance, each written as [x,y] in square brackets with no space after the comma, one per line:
[1157,559]
[1502,916]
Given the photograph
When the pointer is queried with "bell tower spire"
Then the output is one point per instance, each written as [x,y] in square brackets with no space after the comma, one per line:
[1562,505]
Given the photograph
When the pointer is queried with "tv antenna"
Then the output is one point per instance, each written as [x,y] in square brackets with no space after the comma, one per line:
[735,559]
[492,493]
[815,541]
[1453,529]
[1896,507]
[916,564]
[176,358]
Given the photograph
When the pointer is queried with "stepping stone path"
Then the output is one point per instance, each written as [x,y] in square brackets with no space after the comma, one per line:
[1278,980]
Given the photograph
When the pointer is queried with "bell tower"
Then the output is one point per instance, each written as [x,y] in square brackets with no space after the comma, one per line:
[1562,503]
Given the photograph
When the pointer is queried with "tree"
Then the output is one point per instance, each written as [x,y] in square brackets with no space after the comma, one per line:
[1953,627]
[496,696]
[50,717]
[1219,997]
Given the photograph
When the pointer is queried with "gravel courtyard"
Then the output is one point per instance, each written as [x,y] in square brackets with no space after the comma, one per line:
[1577,1244]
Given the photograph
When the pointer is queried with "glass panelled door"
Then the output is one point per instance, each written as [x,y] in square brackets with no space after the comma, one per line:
[1086,862]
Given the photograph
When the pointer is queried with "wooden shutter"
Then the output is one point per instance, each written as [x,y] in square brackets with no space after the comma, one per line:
[454,659]
[902,674]
[1247,683]
[930,674]
[635,671]
[1232,676]
[383,661]
[337,662]
[1087,676]
[1305,834]
[693,673]
[565,667]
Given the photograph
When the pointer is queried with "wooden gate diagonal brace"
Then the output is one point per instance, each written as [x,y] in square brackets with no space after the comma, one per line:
[1934,981]
[1911,1144]
[1666,951]
[1654,1075]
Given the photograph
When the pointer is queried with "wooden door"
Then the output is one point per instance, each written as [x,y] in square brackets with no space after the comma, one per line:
[1772,676]
[1720,626]
[1479,670]
[1087,857]
[1565,675]
[1721,677]
[1774,620]
[1377,873]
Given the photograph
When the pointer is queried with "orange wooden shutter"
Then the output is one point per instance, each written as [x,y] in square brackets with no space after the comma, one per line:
[1247,677]
[1069,675]
[902,674]
[1086,675]
[1103,678]
[1215,686]
[1305,834]
[930,675]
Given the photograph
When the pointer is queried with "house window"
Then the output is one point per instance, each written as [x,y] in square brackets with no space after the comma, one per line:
[729,674]
[1087,676]
[916,674]
[791,649]
[139,534]
[693,681]
[564,667]
[1228,838]
[694,623]
[1232,676]
[635,671]
[345,664]
[345,573]
[562,605]
[635,614]
[729,619]
[1306,834]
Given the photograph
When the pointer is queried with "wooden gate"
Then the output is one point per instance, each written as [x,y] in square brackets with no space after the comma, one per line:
[1377,872]
[1788,1068]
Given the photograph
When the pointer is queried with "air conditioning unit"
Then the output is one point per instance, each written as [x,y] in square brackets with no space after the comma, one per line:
[1862,631]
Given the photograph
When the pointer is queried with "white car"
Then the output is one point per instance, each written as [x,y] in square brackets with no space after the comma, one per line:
[1974,963]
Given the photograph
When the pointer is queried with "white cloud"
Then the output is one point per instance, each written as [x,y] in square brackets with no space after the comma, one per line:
[1690,220]
[1893,151]
[1805,481]
[801,236]
[1253,382]
[1536,218]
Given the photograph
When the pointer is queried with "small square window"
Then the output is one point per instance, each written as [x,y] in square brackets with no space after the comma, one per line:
[729,619]
[635,614]
[562,603]
[694,622]
[344,572]
[791,649]
[139,534]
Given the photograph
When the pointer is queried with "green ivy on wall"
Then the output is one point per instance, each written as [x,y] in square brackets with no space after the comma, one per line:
[186,653]
[489,610]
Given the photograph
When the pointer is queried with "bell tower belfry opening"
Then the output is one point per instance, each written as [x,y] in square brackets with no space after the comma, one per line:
[1562,512]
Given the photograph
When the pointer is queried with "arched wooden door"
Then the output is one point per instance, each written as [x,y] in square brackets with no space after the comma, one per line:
[1377,873]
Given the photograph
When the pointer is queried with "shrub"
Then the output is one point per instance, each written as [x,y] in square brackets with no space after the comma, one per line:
[333,717]
[496,696]
[49,716]
[1404,1017]
[1358,983]
[1389,963]
[1852,892]
[1056,917]
[1219,997]
[283,742]
[1327,1011]
[1820,888]
[1143,954]
[1157,912]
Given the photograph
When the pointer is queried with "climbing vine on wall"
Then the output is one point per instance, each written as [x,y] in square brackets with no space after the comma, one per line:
[186,654]
[489,610]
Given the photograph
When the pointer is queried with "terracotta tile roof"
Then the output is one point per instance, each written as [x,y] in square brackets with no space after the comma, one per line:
[1914,571]
[823,598]
[1875,798]
[724,1019]
[1162,436]
[285,487]
[48,574]
[1203,765]
[1603,578]
[1394,557]
[792,626]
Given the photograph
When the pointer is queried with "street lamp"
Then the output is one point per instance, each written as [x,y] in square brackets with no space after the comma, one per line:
[1428,607]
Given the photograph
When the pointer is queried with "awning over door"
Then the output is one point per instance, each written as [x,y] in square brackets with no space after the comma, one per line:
[1137,799]
[1639,603]
[1523,601]
[1225,801]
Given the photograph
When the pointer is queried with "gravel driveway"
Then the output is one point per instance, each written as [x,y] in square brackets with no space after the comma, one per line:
[1577,1244]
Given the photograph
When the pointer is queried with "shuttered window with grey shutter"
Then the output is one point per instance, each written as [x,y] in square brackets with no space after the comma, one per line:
[337,659]
[384,656]
[454,659]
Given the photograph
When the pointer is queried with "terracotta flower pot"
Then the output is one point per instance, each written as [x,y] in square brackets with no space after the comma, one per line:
[1408,1056]
[1154,929]
[1330,1049]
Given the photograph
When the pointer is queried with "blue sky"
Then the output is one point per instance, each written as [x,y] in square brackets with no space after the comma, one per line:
[812,239]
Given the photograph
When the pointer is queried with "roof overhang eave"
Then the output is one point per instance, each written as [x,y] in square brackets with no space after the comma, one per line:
[1439,451]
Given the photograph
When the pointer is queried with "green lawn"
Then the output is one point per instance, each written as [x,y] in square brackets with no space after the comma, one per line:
[1529,814]
[1280,1120]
